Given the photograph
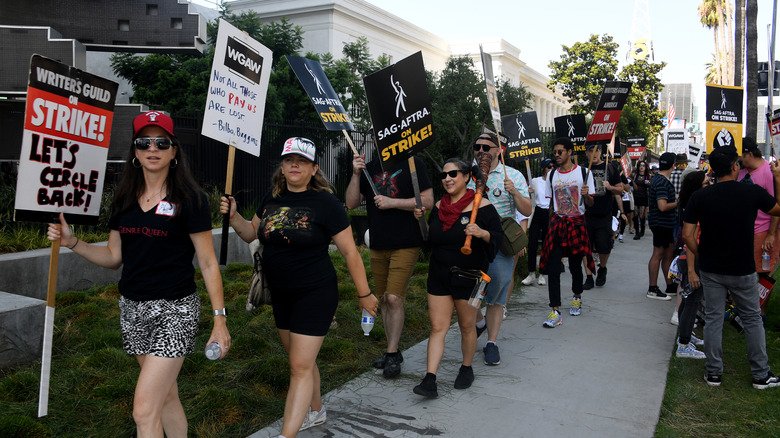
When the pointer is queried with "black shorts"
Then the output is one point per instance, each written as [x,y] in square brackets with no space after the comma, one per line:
[662,236]
[308,311]
[600,233]
[627,207]
[443,282]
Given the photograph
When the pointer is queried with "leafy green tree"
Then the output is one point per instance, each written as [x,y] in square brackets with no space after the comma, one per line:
[642,99]
[512,99]
[179,83]
[582,71]
[459,108]
[346,76]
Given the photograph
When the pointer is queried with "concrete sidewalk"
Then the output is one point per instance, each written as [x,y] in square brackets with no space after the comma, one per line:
[599,374]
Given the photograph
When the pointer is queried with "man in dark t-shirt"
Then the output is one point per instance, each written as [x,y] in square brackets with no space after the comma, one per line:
[394,238]
[662,204]
[598,217]
[726,212]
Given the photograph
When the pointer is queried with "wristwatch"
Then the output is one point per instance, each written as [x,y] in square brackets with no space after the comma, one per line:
[220,312]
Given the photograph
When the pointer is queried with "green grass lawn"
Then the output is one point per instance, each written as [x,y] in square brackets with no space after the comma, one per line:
[92,379]
[693,409]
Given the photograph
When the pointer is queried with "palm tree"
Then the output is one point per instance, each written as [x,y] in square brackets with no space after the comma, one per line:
[739,46]
[751,56]
[715,15]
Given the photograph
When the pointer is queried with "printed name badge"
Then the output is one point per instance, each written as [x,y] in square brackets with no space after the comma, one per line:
[165,208]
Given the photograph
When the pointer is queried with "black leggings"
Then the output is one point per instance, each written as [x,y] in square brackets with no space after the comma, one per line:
[687,314]
[537,231]
[554,266]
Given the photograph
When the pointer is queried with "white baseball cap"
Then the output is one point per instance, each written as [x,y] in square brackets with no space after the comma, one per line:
[300,146]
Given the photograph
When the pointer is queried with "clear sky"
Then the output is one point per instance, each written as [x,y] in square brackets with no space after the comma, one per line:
[539,28]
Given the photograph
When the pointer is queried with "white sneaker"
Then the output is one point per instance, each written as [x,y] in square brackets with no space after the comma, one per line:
[689,351]
[694,340]
[504,317]
[541,281]
[314,418]
[620,238]
[675,319]
[529,280]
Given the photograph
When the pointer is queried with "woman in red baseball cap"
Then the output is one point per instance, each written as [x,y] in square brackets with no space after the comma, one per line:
[159,220]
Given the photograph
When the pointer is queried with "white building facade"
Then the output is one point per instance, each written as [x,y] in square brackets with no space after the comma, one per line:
[328,24]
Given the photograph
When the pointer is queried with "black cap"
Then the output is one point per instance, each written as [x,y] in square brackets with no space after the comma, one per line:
[546,162]
[667,160]
[722,158]
[749,145]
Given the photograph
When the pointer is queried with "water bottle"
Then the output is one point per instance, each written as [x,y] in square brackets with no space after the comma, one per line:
[367,322]
[213,351]
[478,294]
[765,264]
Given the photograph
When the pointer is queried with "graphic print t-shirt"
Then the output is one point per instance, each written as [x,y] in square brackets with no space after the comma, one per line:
[566,188]
[157,250]
[393,228]
[296,229]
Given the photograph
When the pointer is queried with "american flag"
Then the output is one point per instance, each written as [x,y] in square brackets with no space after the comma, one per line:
[670,116]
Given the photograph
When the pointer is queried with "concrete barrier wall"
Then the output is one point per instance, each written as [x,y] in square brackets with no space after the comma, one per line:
[26,273]
[21,329]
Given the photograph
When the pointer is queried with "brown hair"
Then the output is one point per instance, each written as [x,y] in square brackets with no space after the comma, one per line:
[318,182]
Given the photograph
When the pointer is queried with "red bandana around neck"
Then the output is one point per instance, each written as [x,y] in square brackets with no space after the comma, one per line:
[449,213]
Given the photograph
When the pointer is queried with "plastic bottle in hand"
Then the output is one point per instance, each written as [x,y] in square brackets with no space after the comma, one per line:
[213,351]
[367,322]
[765,264]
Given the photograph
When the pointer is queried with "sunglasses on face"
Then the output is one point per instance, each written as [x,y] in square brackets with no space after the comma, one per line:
[549,166]
[451,174]
[483,147]
[559,151]
[143,143]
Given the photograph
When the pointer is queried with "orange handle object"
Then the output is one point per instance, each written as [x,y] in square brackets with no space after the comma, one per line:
[484,160]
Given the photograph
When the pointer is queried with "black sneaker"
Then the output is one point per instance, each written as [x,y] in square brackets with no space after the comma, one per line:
[671,289]
[380,363]
[715,380]
[392,366]
[601,276]
[637,236]
[770,381]
[588,283]
[481,330]
[465,377]
[492,357]
[427,388]
[656,294]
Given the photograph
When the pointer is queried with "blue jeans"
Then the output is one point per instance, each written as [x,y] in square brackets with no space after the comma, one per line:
[744,291]
[500,272]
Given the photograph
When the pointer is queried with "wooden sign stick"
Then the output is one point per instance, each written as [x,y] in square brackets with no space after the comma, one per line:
[365,171]
[223,248]
[48,330]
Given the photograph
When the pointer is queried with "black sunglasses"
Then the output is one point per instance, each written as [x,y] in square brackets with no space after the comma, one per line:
[143,143]
[559,151]
[549,166]
[451,174]
[483,147]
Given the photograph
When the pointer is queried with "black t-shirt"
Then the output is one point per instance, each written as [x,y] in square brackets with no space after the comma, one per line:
[296,229]
[446,245]
[157,250]
[603,200]
[726,212]
[393,228]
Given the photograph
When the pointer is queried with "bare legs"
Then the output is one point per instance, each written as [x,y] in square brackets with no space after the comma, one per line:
[440,311]
[304,389]
[156,404]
